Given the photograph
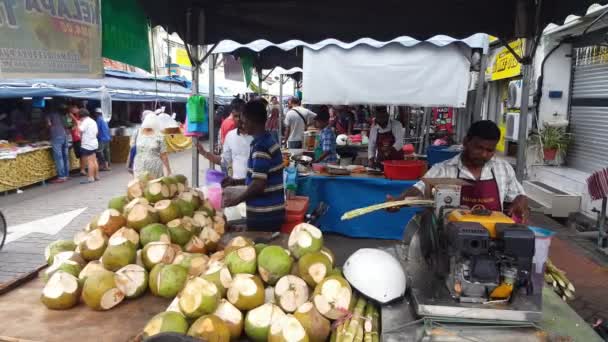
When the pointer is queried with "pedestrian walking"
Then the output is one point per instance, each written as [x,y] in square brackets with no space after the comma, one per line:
[56,123]
[151,156]
[89,145]
[73,117]
[104,137]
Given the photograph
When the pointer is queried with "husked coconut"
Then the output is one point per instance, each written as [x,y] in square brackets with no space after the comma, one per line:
[93,245]
[126,233]
[219,274]
[119,253]
[110,221]
[210,328]
[57,247]
[166,322]
[100,291]
[259,320]
[67,266]
[288,329]
[167,280]
[157,253]
[156,191]
[155,232]
[196,264]
[246,291]
[217,256]
[199,297]
[182,183]
[273,263]
[242,260]
[236,243]
[202,219]
[291,292]
[305,238]
[61,292]
[195,245]
[232,316]
[332,297]
[317,327]
[180,233]
[78,238]
[185,208]
[192,198]
[219,224]
[63,256]
[91,268]
[171,183]
[167,211]
[118,203]
[135,189]
[132,280]
[314,267]
[140,216]
[138,258]
[210,239]
[127,209]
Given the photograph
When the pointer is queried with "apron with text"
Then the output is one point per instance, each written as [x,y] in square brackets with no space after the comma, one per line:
[481,192]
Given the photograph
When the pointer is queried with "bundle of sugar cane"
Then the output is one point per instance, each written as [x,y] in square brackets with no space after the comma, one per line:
[404,203]
[557,278]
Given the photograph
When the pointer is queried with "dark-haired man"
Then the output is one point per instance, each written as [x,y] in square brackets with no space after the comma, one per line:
[236,108]
[264,195]
[493,180]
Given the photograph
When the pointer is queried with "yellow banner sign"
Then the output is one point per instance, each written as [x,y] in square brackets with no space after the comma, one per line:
[181,57]
[505,64]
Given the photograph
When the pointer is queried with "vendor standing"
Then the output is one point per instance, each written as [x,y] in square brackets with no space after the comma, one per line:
[493,180]
[297,120]
[385,138]
[264,195]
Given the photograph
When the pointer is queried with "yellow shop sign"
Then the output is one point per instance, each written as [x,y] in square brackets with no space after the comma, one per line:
[506,65]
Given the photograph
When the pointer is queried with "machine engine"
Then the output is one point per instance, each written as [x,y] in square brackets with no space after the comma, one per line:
[487,261]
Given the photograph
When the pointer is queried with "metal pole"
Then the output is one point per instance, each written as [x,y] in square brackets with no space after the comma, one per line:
[211,104]
[280,108]
[481,80]
[522,139]
[601,241]
[427,137]
[260,82]
[195,91]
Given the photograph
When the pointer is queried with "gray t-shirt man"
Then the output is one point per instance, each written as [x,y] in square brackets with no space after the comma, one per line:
[294,119]
[57,126]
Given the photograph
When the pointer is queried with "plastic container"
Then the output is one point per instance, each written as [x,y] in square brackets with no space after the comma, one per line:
[214,177]
[214,194]
[542,242]
[403,169]
[295,212]
[437,154]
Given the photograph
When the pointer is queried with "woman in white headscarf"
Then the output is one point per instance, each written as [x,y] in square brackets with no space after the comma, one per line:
[151,150]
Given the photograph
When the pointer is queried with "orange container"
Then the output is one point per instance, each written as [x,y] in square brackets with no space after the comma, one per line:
[297,205]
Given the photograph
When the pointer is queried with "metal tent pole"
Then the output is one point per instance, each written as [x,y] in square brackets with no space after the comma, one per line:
[195,91]
[481,81]
[522,139]
[260,76]
[280,108]
[211,104]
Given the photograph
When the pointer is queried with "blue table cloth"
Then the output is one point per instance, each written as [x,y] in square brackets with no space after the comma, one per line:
[343,194]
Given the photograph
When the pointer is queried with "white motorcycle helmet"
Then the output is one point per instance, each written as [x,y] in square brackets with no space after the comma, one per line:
[376,274]
[342,140]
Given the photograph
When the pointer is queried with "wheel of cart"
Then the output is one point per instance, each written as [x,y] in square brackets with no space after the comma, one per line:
[2,230]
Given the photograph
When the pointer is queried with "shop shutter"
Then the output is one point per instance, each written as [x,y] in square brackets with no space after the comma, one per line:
[589,118]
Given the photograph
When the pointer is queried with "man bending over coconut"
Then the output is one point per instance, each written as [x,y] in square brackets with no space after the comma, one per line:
[264,195]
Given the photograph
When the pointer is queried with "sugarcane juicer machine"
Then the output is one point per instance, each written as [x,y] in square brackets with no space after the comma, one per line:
[472,263]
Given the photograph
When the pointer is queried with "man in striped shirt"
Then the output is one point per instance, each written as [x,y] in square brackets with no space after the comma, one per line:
[264,195]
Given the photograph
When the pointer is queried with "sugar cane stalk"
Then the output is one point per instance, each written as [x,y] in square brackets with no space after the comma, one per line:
[367,326]
[355,321]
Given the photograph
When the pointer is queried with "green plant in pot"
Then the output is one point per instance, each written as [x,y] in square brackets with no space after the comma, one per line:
[553,140]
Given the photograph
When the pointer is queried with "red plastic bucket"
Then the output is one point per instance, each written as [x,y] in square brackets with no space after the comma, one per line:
[403,169]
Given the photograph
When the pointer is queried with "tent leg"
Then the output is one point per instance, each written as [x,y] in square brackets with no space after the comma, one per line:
[280,109]
[522,139]
[211,104]
[481,80]
[195,157]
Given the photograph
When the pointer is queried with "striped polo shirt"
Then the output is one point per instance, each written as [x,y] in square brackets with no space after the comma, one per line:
[266,211]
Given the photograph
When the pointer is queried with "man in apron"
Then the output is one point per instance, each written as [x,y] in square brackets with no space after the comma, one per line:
[385,139]
[493,180]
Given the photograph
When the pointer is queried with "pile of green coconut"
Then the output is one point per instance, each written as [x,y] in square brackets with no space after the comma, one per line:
[155,237]
[268,293]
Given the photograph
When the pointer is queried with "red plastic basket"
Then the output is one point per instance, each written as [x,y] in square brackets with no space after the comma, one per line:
[403,169]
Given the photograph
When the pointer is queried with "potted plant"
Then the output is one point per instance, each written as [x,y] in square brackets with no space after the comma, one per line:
[552,140]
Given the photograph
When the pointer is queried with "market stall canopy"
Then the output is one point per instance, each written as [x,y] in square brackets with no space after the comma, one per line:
[203,22]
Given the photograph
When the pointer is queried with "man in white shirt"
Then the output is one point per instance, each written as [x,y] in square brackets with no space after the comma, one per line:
[297,119]
[385,138]
[493,180]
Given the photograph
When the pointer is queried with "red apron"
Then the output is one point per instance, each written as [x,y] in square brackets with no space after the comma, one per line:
[481,192]
[384,141]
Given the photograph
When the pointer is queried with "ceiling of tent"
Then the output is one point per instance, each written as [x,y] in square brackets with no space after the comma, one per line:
[348,20]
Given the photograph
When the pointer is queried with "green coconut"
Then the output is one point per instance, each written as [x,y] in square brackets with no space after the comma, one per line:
[329,254]
[120,253]
[118,203]
[179,232]
[232,316]
[67,266]
[273,263]
[73,256]
[288,329]
[259,320]
[100,291]
[199,297]
[195,245]
[195,263]
[192,198]
[156,253]
[246,291]
[141,215]
[219,274]
[202,220]
[291,292]
[314,267]
[126,233]
[217,256]
[93,224]
[259,247]
[129,206]
[332,297]
[219,224]
[93,245]
[242,260]
[61,292]
[171,183]
[167,280]
[156,191]
[135,189]
[57,247]
[210,239]
[132,280]
[210,328]
[185,208]
[182,183]
[317,327]
[155,232]
[91,268]
[336,271]
[305,238]
[167,211]
[236,243]
[166,322]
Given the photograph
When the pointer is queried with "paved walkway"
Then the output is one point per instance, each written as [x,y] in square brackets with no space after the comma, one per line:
[26,254]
